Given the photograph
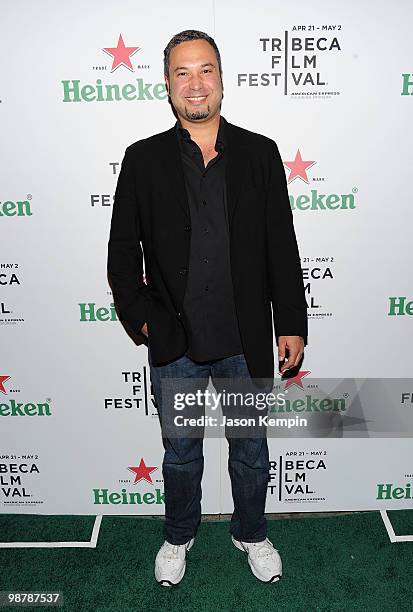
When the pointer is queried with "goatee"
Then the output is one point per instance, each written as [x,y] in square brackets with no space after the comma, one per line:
[197,114]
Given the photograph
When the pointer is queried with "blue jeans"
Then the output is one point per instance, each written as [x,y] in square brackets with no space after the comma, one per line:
[183,463]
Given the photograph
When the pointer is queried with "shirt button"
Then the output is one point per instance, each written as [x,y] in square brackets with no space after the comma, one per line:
[206,259]
[206,287]
[204,203]
[187,228]
[183,271]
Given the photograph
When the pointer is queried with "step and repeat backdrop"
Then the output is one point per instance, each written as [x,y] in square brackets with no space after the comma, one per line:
[332,84]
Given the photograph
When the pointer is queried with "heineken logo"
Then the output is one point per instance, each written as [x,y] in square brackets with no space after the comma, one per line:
[323,201]
[298,168]
[124,497]
[400,306]
[90,312]
[315,200]
[20,208]
[75,91]
[297,380]
[3,379]
[407,84]
[142,472]
[30,409]
[104,497]
[121,57]
[390,491]
[14,408]
[309,403]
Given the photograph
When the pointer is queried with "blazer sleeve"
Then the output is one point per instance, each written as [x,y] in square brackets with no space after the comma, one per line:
[125,256]
[283,260]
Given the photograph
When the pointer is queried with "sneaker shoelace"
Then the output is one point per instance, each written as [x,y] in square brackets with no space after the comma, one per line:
[263,549]
[171,551]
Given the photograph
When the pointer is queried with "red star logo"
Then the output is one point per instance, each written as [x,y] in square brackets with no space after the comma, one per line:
[298,168]
[121,54]
[3,380]
[143,472]
[296,380]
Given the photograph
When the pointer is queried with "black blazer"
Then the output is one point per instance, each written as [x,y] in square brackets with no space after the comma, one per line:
[151,212]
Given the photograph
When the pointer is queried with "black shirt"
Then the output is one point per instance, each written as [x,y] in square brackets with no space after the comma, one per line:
[209,314]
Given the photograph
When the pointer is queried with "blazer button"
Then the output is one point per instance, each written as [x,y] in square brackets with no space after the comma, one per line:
[187,228]
[178,315]
[183,271]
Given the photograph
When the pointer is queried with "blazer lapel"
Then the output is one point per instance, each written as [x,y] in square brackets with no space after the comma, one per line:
[173,171]
[236,166]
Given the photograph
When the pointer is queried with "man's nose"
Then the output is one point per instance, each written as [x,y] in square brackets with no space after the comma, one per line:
[195,82]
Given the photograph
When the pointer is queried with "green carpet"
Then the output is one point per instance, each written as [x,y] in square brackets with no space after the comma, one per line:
[330,563]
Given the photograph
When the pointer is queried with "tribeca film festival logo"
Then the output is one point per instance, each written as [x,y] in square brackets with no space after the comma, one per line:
[291,62]
[317,273]
[137,382]
[12,408]
[8,315]
[15,472]
[119,64]
[400,306]
[138,392]
[406,398]
[105,199]
[143,474]
[314,199]
[9,277]
[16,208]
[294,476]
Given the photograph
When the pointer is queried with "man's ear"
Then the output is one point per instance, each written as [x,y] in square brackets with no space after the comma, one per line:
[167,84]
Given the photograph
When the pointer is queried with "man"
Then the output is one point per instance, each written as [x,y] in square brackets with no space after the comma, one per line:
[208,202]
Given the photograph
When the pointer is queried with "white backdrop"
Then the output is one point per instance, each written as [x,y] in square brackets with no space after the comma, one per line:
[325,81]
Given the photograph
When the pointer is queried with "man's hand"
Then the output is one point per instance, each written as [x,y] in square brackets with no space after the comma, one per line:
[144,330]
[295,346]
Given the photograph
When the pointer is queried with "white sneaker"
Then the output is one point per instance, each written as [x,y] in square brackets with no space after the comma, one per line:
[263,559]
[170,563]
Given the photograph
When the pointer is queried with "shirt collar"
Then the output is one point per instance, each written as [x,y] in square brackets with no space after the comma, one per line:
[184,135]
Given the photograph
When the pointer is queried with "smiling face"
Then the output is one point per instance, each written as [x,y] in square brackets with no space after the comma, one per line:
[194,82]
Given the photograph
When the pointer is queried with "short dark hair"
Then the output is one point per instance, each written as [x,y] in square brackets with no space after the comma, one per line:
[184,37]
